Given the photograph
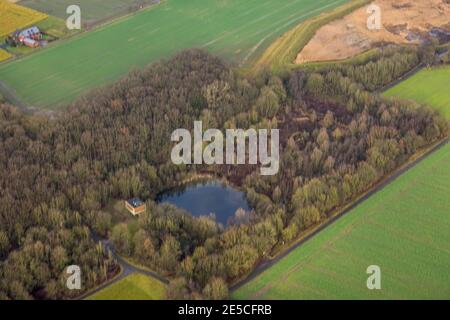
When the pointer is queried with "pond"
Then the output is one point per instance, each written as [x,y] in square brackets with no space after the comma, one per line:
[204,198]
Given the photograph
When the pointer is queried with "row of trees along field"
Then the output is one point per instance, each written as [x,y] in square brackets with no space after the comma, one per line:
[58,175]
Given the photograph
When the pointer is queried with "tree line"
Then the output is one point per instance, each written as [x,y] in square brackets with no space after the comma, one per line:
[57,176]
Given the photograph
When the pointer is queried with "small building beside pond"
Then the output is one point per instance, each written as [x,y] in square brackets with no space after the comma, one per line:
[135,206]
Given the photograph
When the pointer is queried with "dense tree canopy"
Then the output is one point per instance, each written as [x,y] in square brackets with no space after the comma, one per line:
[57,176]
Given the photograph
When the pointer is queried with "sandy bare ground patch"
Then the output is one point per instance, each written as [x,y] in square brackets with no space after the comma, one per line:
[404,21]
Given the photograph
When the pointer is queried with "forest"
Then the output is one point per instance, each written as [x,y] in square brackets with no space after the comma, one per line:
[58,174]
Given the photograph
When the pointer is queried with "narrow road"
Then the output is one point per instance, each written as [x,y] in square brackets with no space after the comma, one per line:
[126,267]
[266,264]
[404,77]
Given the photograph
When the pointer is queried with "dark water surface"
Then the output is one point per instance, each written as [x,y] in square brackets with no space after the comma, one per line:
[204,198]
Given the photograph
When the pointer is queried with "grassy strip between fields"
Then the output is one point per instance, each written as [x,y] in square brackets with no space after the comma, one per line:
[133,287]
[239,32]
[280,56]
[4,55]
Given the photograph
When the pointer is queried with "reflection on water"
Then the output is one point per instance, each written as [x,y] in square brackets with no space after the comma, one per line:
[205,198]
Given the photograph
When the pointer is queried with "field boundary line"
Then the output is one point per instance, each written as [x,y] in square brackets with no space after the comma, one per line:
[12,98]
[143,270]
[413,161]
[102,286]
[280,55]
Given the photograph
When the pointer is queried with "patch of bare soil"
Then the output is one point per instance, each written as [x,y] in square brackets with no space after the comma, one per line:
[403,22]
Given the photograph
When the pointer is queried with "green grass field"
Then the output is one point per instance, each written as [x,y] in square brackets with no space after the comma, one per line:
[404,229]
[238,30]
[430,86]
[133,287]
[92,10]
[281,54]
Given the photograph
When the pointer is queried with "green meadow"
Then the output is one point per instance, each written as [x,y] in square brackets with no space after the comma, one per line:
[404,229]
[92,10]
[133,287]
[429,86]
[237,30]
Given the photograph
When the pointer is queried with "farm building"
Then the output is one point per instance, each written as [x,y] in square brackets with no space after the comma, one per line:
[135,206]
[29,37]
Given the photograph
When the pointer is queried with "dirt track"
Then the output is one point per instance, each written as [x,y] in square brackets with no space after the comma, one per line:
[403,22]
